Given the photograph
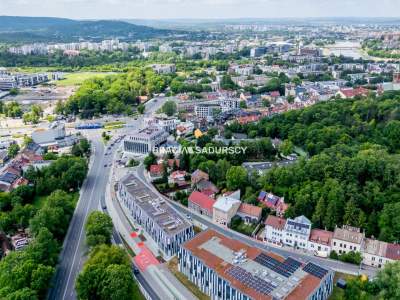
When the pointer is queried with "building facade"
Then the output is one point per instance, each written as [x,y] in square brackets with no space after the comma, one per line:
[145,140]
[347,239]
[167,228]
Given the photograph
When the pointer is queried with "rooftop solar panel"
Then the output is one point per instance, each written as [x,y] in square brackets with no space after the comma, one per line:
[315,270]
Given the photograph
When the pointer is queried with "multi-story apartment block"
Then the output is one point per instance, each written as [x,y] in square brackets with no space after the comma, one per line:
[297,232]
[274,229]
[206,110]
[163,69]
[168,229]
[227,269]
[145,140]
[347,239]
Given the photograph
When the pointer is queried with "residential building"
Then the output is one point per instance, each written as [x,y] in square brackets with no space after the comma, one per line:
[320,241]
[273,202]
[206,110]
[374,253]
[199,175]
[177,177]
[350,93]
[226,207]
[228,269]
[167,124]
[163,69]
[145,140]
[201,203]
[250,214]
[347,239]
[156,171]
[274,230]
[207,187]
[297,232]
[168,229]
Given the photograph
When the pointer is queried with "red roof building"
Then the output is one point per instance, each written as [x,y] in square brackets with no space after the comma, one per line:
[156,170]
[350,93]
[275,222]
[249,213]
[201,203]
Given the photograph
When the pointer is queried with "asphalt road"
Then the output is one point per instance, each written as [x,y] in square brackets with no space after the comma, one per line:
[92,193]
[74,249]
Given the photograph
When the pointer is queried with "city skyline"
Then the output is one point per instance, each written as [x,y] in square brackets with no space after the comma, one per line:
[204,9]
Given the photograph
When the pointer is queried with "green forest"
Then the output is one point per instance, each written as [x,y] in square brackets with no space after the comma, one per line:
[45,209]
[114,94]
[352,175]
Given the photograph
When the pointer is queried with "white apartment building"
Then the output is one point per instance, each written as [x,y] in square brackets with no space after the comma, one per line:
[163,69]
[347,239]
[320,241]
[206,110]
[165,123]
[274,229]
[297,232]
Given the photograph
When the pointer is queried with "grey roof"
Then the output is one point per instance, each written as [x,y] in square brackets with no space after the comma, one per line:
[155,207]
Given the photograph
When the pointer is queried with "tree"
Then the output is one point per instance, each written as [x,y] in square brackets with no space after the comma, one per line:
[106,275]
[286,147]
[169,108]
[150,159]
[13,150]
[98,228]
[236,178]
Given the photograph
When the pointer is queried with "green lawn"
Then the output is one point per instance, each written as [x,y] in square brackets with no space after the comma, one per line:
[72,79]
[244,228]
[338,293]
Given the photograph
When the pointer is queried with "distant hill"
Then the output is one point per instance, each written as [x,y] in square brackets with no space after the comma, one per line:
[32,29]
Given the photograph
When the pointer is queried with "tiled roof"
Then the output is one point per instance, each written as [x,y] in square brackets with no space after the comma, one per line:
[275,222]
[348,235]
[156,169]
[321,236]
[202,200]
[393,251]
[250,210]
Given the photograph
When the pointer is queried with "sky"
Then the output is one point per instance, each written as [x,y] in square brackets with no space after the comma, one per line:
[173,9]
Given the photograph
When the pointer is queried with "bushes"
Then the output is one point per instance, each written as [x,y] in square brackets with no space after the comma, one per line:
[349,257]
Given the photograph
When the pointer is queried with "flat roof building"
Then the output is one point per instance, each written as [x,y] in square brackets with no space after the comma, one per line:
[145,140]
[168,229]
[227,269]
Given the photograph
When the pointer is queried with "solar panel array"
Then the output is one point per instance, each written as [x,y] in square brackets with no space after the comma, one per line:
[297,225]
[315,270]
[285,269]
[249,280]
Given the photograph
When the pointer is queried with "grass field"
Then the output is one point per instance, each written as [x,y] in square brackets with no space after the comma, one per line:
[338,293]
[72,79]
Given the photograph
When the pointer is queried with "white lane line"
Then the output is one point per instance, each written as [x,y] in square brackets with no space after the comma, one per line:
[81,231]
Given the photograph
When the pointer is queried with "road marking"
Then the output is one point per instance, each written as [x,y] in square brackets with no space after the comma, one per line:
[81,231]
